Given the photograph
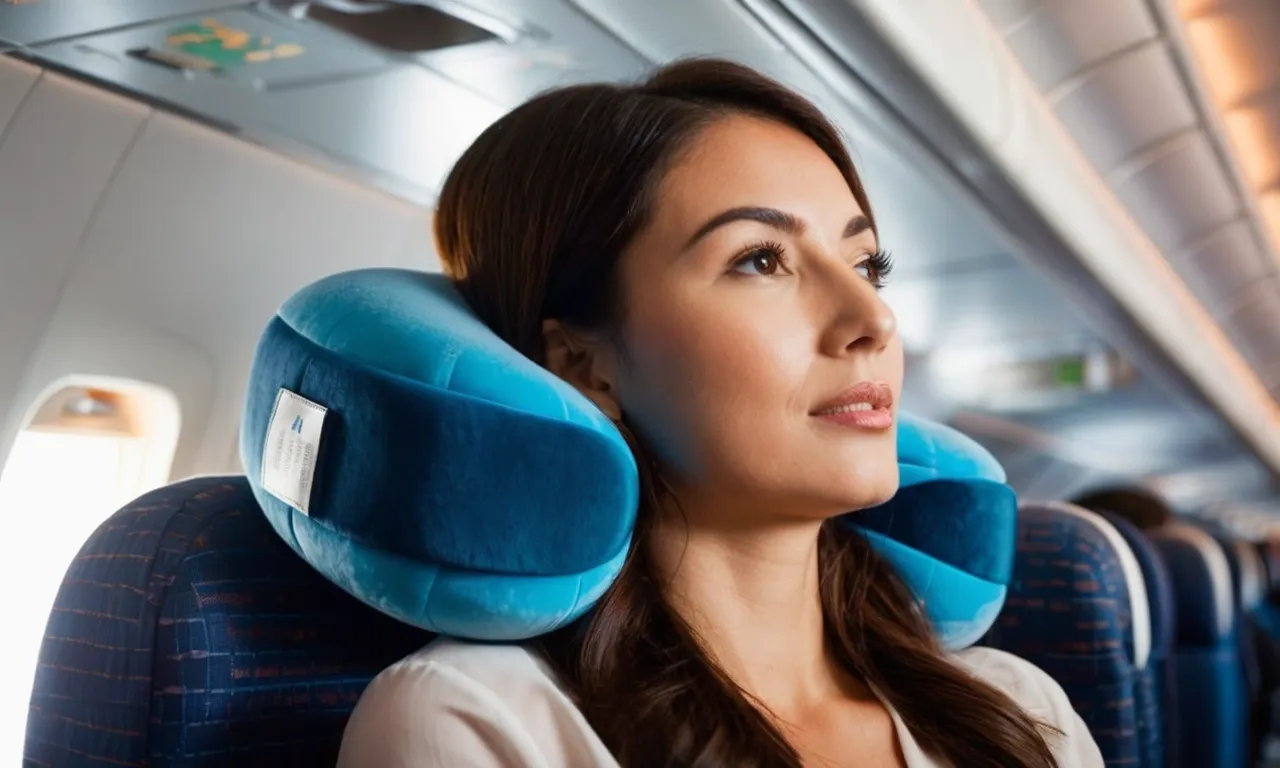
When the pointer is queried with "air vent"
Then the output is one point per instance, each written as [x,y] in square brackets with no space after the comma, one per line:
[397,25]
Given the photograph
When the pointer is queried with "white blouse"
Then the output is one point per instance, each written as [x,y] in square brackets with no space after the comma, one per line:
[462,705]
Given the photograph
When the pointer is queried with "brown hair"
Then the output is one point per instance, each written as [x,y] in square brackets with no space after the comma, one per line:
[531,223]
[1137,505]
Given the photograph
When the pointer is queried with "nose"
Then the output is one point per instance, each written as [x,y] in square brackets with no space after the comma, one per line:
[856,319]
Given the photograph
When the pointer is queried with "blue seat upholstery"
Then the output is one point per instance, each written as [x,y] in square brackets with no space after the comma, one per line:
[186,633]
[1077,608]
[1156,692]
[1211,689]
[1248,586]
[1266,620]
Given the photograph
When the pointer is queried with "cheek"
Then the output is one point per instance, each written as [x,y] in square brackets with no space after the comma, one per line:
[709,386]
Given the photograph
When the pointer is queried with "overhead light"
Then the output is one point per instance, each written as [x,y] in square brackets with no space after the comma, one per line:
[1232,54]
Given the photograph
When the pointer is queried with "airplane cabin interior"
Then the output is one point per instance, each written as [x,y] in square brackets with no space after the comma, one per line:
[1082,196]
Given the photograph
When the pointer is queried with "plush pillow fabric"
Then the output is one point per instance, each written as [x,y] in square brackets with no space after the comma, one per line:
[453,483]
[949,531]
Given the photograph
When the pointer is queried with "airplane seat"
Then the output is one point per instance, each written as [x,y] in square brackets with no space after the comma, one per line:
[1210,678]
[407,474]
[1267,613]
[186,633]
[1156,693]
[1266,619]
[1078,609]
[1259,659]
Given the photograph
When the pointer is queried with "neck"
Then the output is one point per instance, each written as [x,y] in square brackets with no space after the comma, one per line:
[751,595]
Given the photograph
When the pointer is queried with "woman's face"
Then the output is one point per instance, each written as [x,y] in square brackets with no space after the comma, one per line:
[757,358]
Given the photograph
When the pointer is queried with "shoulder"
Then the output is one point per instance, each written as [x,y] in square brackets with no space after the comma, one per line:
[466,703]
[446,662]
[1040,696]
[1017,678]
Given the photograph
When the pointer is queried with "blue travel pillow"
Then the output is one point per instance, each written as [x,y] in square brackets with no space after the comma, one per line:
[430,470]
[949,531]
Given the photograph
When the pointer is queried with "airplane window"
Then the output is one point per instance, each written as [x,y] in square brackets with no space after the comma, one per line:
[85,452]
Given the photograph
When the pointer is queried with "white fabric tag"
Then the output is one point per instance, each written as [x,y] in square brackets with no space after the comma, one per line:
[293,442]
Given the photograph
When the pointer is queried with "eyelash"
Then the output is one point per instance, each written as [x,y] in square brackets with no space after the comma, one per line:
[879,263]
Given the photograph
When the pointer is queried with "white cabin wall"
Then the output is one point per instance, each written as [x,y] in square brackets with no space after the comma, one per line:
[138,244]
[58,150]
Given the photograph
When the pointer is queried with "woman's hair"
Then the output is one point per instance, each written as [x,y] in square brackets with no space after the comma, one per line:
[1137,505]
[531,224]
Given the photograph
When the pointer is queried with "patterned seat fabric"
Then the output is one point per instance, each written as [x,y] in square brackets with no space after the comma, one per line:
[186,633]
[1156,693]
[1077,608]
[1212,695]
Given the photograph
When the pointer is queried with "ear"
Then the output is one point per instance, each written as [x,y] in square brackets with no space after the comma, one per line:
[590,366]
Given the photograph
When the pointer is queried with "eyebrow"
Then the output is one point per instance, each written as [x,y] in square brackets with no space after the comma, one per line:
[772,217]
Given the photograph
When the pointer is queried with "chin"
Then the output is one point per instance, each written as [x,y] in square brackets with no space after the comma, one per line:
[871,484]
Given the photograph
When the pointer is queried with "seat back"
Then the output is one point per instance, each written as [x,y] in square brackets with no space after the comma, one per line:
[186,633]
[1077,608]
[1210,679]
[1267,612]
[1156,690]
[1257,662]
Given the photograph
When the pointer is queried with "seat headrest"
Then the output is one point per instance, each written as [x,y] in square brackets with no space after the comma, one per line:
[1202,584]
[1155,574]
[1269,553]
[427,468]
[1248,575]
[1128,577]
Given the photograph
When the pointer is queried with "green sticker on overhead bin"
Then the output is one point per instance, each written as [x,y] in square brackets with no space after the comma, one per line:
[211,45]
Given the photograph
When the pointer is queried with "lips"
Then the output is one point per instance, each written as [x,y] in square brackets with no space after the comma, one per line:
[868,405]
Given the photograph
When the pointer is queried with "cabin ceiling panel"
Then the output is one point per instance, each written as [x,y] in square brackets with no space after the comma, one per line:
[1254,130]
[1129,104]
[1004,13]
[1222,267]
[1178,192]
[16,81]
[1257,325]
[1056,40]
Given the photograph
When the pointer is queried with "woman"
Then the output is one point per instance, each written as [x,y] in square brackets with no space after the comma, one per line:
[697,256]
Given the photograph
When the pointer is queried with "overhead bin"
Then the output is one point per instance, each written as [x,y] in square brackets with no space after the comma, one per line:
[274,76]
[198,59]
[407,122]
[39,21]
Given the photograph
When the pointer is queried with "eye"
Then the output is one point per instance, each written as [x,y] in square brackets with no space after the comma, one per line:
[762,260]
[876,268]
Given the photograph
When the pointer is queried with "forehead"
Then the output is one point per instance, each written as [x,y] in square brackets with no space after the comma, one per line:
[751,161]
